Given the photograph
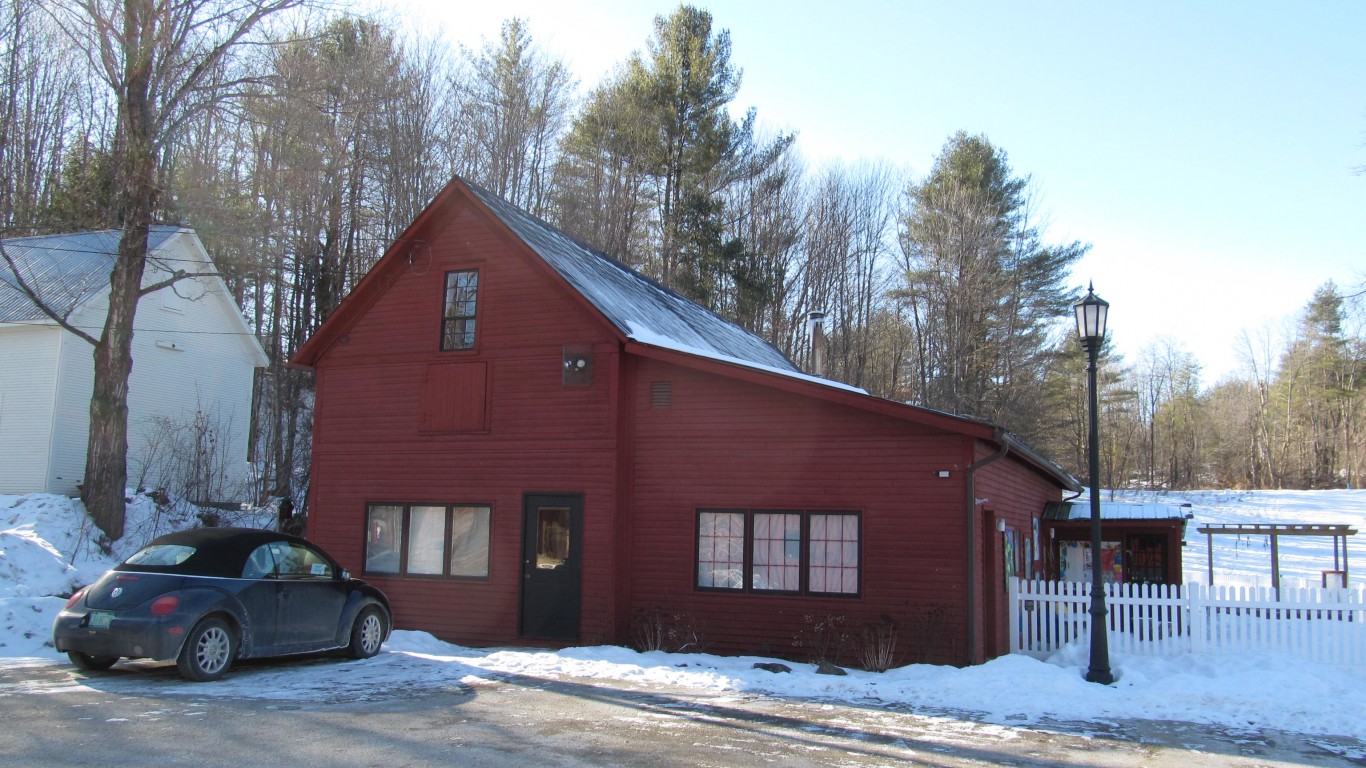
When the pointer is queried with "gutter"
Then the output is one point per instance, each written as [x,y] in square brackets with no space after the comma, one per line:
[974,621]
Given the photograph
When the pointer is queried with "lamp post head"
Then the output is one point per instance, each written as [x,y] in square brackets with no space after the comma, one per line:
[1091,312]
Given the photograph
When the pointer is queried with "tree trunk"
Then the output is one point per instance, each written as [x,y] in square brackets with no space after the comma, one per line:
[106,462]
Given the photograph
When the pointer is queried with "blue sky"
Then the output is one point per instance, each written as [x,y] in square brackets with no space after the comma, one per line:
[1207,151]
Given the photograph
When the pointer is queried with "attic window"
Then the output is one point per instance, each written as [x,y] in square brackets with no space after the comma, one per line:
[661,394]
[457,316]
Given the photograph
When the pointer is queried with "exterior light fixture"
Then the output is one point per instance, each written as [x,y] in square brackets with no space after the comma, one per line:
[1092,314]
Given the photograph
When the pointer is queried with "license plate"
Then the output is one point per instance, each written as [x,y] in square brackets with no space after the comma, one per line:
[100,619]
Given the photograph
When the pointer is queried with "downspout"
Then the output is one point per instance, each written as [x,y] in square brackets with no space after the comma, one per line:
[974,622]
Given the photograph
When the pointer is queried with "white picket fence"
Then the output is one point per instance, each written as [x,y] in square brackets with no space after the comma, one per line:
[1327,625]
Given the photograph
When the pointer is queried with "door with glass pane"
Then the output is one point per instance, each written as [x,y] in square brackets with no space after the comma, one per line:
[552,544]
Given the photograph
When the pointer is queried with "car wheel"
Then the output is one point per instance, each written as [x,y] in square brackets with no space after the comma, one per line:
[367,634]
[208,651]
[92,663]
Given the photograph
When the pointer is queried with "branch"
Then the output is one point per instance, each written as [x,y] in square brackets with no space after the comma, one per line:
[179,275]
[210,60]
[23,287]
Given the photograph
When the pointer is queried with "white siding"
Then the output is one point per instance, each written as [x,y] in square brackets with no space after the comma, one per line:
[191,353]
[71,422]
[28,369]
[189,356]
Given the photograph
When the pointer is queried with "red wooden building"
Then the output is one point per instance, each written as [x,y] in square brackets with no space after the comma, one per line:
[521,440]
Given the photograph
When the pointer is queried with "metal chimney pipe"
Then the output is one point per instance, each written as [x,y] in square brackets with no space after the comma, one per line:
[815,326]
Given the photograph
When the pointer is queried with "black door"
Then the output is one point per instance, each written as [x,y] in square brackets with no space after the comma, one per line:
[552,547]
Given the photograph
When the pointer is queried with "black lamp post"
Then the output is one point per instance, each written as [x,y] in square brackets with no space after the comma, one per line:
[1091,312]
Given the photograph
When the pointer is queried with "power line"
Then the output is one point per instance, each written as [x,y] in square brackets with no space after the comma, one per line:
[52,324]
[150,255]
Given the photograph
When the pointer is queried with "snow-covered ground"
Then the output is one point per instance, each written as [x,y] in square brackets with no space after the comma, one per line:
[1246,560]
[46,549]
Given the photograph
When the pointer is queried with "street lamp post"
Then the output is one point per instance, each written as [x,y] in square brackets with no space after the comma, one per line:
[1091,312]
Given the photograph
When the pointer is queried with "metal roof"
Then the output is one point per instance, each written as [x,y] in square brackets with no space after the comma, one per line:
[66,270]
[1116,510]
[640,308]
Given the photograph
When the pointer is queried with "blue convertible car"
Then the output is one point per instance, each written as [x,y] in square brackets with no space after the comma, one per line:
[208,596]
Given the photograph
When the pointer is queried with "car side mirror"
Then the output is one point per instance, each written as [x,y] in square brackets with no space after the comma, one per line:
[346,575]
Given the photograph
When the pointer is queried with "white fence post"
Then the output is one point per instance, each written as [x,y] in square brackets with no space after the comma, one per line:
[1013,600]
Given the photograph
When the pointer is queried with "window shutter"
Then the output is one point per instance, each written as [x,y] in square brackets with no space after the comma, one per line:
[454,397]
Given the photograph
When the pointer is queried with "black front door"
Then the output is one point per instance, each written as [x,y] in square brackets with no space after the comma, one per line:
[552,547]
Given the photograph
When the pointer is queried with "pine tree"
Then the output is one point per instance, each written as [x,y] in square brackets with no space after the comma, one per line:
[657,151]
[984,292]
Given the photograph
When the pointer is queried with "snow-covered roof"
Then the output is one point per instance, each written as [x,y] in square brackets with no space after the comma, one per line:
[640,308]
[1116,510]
[66,270]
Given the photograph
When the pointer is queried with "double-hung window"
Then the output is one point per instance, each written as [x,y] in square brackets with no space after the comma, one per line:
[458,309]
[779,551]
[437,540]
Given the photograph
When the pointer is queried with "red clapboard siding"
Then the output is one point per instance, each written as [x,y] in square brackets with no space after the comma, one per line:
[725,443]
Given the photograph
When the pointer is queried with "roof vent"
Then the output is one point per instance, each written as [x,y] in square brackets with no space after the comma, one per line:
[661,394]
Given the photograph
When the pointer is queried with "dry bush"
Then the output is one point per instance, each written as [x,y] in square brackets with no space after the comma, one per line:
[656,629]
[877,645]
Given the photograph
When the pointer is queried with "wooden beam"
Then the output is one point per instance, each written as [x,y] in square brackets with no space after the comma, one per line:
[1279,529]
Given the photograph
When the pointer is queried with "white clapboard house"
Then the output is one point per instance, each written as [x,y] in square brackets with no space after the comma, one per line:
[194,357]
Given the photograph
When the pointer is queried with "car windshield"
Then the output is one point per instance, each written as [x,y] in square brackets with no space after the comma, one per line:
[161,555]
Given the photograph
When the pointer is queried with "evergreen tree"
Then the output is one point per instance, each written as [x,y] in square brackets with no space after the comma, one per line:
[687,81]
[602,180]
[983,291]
[1317,384]
[657,151]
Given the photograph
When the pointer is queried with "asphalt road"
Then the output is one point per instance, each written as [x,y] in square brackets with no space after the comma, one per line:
[144,715]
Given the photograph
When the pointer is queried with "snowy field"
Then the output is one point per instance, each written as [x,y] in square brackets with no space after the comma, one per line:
[1246,560]
[46,549]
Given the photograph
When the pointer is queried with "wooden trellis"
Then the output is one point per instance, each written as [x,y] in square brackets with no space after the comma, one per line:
[1339,532]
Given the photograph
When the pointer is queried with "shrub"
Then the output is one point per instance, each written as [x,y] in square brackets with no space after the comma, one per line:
[823,638]
[877,645]
[656,629]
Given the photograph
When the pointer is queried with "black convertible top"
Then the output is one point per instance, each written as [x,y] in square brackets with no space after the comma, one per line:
[218,552]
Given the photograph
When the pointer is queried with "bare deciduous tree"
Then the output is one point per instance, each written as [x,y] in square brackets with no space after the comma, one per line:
[43,116]
[163,61]
[513,106]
